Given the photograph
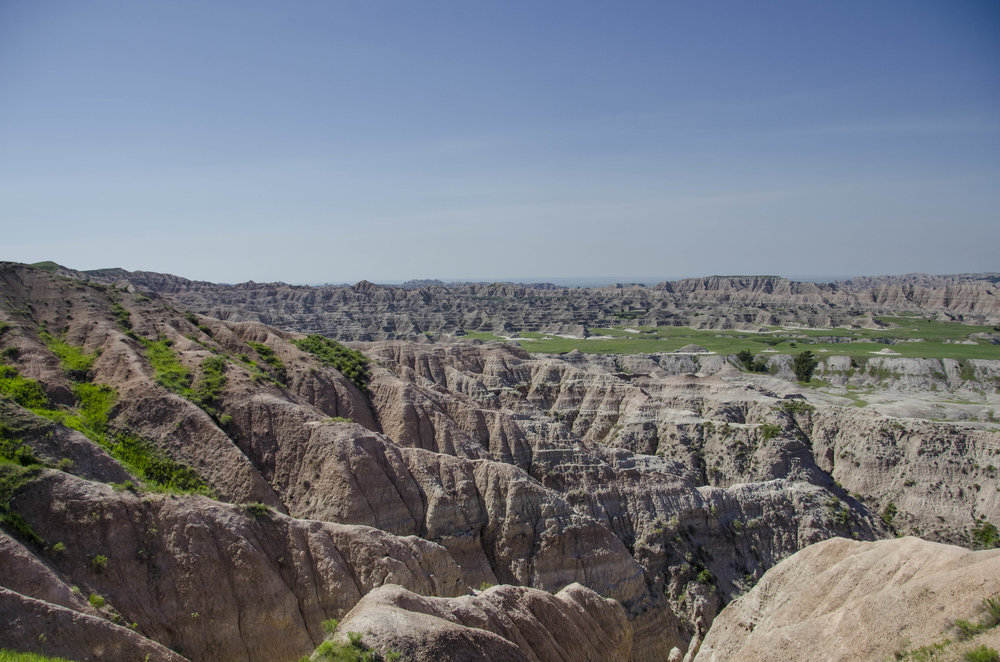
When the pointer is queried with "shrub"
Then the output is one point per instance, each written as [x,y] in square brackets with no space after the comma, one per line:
[99,562]
[258,509]
[59,547]
[888,514]
[95,601]
[330,624]
[769,431]
[985,535]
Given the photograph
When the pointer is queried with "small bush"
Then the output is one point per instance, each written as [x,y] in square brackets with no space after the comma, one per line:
[258,510]
[330,624]
[59,547]
[769,431]
[99,562]
[96,601]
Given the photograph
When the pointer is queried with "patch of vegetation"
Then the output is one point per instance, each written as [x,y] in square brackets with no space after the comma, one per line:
[889,514]
[96,601]
[983,654]
[169,371]
[152,464]
[74,361]
[769,431]
[990,619]
[211,383]
[7,655]
[351,363]
[803,365]
[351,651]
[985,535]
[750,363]
[46,265]
[12,478]
[258,510]
[26,392]
[796,407]
[122,316]
[90,417]
[267,355]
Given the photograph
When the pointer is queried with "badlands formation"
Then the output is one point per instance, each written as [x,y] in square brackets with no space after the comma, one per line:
[221,486]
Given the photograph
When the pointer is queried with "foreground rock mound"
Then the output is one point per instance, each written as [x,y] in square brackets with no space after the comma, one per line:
[850,601]
[502,623]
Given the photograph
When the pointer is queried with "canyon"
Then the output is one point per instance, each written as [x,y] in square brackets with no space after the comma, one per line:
[201,471]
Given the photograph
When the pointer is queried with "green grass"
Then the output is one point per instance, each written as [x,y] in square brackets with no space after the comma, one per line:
[25,392]
[74,361]
[12,477]
[90,417]
[168,370]
[983,654]
[7,655]
[275,365]
[351,651]
[209,388]
[46,265]
[837,341]
[351,363]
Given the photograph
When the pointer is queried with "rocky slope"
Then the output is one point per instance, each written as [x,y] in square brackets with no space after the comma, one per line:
[842,600]
[367,311]
[663,485]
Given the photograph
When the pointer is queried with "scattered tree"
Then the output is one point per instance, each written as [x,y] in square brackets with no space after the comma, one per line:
[803,365]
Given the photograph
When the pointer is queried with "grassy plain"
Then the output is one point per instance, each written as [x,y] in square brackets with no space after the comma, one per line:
[911,337]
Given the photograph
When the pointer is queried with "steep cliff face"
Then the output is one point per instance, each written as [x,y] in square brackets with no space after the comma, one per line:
[663,485]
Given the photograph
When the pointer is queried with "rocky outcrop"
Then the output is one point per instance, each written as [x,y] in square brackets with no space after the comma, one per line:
[367,311]
[842,600]
[666,483]
[501,623]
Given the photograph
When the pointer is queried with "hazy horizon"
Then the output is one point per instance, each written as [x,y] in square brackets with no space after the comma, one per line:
[327,141]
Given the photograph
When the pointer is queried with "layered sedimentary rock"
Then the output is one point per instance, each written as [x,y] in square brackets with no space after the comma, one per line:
[662,483]
[366,311]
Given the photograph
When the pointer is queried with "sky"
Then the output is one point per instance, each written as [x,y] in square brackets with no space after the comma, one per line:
[332,141]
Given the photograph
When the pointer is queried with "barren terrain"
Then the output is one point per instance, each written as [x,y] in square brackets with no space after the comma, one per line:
[188,474]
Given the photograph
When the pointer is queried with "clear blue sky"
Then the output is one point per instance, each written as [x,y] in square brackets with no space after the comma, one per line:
[327,141]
